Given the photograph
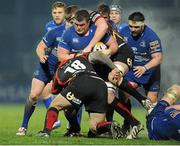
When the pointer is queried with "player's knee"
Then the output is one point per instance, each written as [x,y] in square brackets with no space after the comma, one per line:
[93,128]
[33,96]
[111,95]
[93,125]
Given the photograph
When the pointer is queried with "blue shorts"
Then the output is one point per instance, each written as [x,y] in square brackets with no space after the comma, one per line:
[163,124]
[45,71]
[150,80]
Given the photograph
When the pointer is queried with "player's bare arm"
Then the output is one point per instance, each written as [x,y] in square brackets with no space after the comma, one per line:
[40,50]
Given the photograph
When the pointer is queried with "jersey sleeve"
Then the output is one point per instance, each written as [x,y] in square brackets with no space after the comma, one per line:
[49,38]
[154,43]
[94,16]
[106,38]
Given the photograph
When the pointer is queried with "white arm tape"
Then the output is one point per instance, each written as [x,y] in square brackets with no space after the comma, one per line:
[121,69]
[111,86]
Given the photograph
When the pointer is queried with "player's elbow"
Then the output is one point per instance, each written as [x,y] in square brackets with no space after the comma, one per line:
[160,58]
[62,54]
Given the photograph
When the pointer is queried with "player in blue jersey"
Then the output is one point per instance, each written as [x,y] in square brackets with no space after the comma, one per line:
[57,11]
[147,49]
[80,35]
[163,123]
[148,55]
[45,70]
[123,59]
[116,16]
[77,37]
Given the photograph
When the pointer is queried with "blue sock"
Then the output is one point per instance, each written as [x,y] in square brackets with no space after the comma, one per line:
[28,111]
[79,115]
[47,101]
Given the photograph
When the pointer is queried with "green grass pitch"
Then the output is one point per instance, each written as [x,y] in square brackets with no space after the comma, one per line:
[11,116]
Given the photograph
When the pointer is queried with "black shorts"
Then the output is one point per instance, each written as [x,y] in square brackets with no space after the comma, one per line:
[125,55]
[88,90]
[102,70]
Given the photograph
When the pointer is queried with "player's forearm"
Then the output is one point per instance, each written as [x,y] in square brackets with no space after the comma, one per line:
[40,50]
[100,57]
[155,61]
[177,107]
[101,30]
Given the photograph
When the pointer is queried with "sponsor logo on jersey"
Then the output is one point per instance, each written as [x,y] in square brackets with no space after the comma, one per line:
[49,28]
[154,44]
[59,39]
[75,40]
[70,96]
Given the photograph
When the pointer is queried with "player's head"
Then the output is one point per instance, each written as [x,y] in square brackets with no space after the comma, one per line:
[172,94]
[136,23]
[116,13]
[70,12]
[58,11]
[81,22]
[104,10]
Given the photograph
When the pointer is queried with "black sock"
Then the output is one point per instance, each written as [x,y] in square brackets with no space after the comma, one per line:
[109,113]
[71,116]
[103,127]
[124,100]
[122,110]
[91,134]
[125,86]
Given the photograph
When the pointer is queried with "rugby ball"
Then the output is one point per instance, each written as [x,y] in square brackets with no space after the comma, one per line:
[99,46]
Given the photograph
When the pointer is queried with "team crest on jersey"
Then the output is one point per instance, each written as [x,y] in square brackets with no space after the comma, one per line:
[142,44]
[75,40]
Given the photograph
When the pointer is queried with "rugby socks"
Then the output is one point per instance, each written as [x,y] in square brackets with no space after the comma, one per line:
[47,101]
[122,110]
[109,113]
[28,111]
[103,127]
[127,103]
[79,115]
[71,116]
[51,118]
[126,86]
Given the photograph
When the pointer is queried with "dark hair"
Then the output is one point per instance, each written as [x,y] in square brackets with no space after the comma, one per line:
[136,16]
[70,11]
[81,15]
[102,9]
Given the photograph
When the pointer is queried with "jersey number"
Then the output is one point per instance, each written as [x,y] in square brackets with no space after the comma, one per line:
[75,66]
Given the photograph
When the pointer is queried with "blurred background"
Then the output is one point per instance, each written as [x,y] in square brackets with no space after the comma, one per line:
[22,25]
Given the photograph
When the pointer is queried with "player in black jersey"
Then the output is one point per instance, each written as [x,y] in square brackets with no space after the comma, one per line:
[81,85]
